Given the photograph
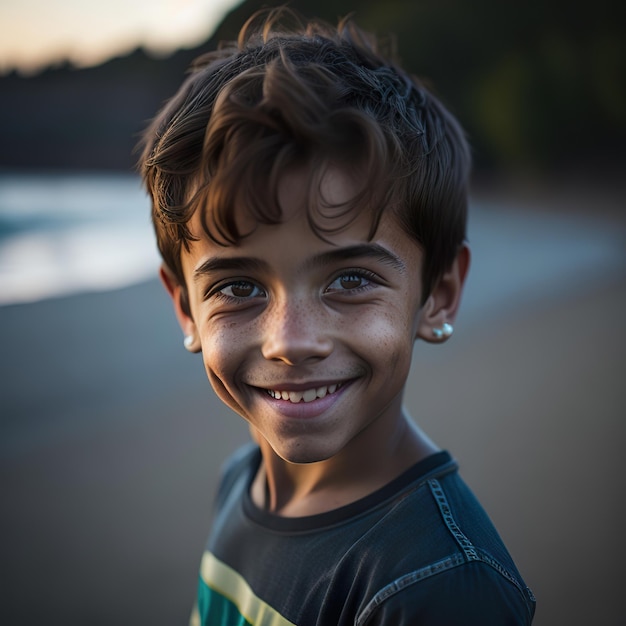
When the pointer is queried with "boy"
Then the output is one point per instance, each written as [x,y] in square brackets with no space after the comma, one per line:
[309,200]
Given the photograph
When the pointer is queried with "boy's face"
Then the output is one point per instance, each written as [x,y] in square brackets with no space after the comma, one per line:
[310,341]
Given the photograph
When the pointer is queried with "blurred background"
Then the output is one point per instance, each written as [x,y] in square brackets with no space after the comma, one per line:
[110,437]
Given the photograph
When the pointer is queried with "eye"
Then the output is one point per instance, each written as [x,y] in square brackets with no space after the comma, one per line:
[351,280]
[240,290]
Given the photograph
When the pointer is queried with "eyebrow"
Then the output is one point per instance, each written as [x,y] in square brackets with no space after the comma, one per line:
[366,250]
[245,264]
[218,264]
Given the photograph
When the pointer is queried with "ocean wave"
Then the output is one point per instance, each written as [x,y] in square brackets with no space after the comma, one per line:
[63,234]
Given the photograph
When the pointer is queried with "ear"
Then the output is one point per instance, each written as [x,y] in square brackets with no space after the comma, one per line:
[442,305]
[181,308]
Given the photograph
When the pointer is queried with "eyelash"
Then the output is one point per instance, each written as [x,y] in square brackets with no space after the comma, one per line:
[218,292]
[370,277]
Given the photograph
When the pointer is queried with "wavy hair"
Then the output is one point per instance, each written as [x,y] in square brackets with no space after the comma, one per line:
[290,94]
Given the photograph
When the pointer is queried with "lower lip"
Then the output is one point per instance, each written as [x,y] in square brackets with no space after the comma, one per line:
[305,410]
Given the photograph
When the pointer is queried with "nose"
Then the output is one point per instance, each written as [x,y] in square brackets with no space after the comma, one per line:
[295,332]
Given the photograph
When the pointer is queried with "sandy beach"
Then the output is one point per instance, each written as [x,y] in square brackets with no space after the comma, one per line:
[111,439]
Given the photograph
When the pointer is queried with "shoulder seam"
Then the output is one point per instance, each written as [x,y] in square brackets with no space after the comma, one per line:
[468,553]
[446,513]
[454,560]
[469,550]
[405,581]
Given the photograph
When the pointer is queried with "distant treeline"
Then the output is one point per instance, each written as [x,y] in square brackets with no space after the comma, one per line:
[539,86]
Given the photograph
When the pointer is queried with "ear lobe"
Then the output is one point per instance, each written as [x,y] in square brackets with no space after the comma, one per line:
[440,309]
[181,309]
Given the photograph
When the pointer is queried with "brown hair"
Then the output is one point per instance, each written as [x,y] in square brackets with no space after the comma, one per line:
[308,95]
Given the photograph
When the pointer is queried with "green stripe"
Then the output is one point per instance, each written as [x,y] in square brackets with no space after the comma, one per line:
[226,599]
[216,610]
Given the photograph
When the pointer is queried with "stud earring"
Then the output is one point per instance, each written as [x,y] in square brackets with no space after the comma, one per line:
[444,332]
[188,342]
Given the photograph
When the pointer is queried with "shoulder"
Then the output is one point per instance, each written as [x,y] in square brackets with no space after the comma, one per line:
[242,457]
[239,466]
[449,564]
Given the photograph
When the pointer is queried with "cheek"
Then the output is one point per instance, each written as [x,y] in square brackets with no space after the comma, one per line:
[222,354]
[388,337]
[217,352]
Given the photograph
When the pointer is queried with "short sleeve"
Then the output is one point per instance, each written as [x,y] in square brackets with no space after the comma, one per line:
[474,594]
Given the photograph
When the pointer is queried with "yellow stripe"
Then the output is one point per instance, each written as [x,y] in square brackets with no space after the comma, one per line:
[194,620]
[226,581]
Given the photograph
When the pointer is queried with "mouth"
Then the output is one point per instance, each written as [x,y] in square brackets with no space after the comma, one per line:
[305,395]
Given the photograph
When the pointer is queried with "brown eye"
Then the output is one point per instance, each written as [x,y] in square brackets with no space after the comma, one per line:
[350,281]
[241,289]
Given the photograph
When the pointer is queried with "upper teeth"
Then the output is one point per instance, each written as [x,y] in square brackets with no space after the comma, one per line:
[307,396]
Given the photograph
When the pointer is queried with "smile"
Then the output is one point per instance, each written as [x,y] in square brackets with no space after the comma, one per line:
[307,395]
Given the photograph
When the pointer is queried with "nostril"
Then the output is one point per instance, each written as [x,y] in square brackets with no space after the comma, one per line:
[296,348]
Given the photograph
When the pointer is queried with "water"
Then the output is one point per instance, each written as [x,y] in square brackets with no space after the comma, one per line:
[68,233]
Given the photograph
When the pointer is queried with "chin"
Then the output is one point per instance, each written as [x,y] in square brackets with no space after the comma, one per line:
[303,454]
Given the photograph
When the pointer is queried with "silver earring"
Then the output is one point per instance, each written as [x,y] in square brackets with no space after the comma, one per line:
[188,342]
[444,332]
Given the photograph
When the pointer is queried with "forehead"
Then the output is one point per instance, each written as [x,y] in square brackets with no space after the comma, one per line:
[319,215]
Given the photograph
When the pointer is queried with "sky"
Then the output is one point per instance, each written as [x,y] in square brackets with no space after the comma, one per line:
[37,33]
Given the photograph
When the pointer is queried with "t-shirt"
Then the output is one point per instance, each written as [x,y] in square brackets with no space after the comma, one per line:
[419,551]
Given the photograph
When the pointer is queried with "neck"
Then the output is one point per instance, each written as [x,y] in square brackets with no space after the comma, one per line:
[295,490]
